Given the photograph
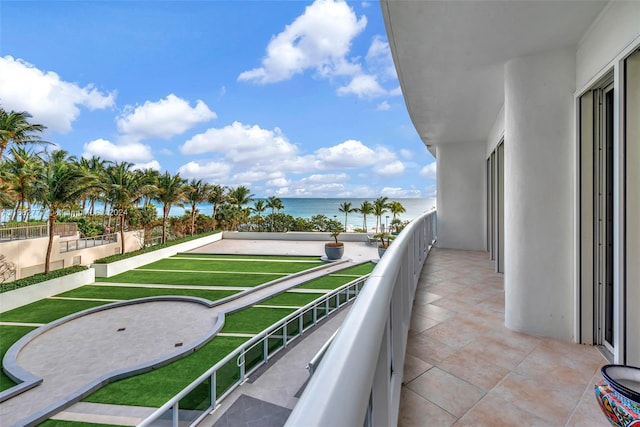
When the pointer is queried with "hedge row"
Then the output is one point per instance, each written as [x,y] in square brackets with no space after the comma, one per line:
[119,257]
[41,277]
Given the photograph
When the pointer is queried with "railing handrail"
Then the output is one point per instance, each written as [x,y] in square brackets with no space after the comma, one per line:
[241,350]
[22,232]
[341,392]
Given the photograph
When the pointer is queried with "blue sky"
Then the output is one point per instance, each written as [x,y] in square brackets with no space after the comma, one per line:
[289,98]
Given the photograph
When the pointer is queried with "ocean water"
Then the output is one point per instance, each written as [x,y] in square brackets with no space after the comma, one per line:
[296,207]
[308,207]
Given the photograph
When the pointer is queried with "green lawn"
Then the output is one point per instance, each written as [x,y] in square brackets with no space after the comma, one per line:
[46,310]
[249,257]
[61,423]
[253,319]
[130,292]
[327,282]
[292,298]
[229,265]
[358,270]
[158,386]
[10,334]
[202,278]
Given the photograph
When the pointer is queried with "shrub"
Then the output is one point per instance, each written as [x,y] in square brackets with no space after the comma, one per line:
[39,278]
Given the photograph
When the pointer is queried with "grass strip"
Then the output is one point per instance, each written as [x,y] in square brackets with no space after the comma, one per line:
[292,298]
[201,278]
[248,257]
[155,388]
[10,334]
[47,310]
[65,423]
[229,265]
[253,319]
[326,282]
[359,270]
[130,292]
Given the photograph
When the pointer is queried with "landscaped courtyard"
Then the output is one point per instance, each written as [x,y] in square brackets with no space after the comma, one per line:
[211,277]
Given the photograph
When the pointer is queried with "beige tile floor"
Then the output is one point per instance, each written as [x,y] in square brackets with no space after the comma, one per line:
[464,368]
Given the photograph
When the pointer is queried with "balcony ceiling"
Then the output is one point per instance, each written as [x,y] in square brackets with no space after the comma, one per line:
[450,55]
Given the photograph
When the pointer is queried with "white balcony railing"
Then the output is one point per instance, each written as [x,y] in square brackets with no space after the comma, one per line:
[359,379]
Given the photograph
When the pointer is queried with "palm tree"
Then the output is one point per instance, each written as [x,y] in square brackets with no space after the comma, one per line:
[274,203]
[379,208]
[59,183]
[216,198]
[240,196]
[123,188]
[259,206]
[366,208]
[22,167]
[396,208]
[346,208]
[197,192]
[171,190]
[15,127]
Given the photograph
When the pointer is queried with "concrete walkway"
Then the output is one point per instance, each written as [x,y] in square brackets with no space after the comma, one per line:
[78,353]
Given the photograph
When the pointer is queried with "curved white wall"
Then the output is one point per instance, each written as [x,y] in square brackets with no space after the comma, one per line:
[539,171]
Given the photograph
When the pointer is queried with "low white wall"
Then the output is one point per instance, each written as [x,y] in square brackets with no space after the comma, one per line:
[111,269]
[27,295]
[295,235]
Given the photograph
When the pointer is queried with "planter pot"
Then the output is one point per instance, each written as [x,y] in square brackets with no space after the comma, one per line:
[381,251]
[619,395]
[333,252]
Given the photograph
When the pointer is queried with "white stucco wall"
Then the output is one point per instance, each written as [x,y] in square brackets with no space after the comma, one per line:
[617,27]
[496,133]
[539,180]
[461,178]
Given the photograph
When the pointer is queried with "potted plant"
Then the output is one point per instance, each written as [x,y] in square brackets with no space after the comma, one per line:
[385,241]
[334,250]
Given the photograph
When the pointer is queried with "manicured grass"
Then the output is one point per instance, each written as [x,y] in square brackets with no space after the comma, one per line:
[229,265]
[62,423]
[254,319]
[358,270]
[156,387]
[292,298]
[249,257]
[129,292]
[10,334]
[47,310]
[202,278]
[327,282]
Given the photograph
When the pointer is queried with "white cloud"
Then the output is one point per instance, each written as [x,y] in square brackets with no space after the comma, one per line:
[164,119]
[379,59]
[278,182]
[217,171]
[51,101]
[363,86]
[365,4]
[322,178]
[136,153]
[406,154]
[318,39]
[383,106]
[429,171]
[398,192]
[393,168]
[153,164]
[166,152]
[243,144]
[348,154]
[396,92]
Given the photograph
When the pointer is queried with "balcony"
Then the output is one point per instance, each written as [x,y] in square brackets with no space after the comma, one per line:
[463,365]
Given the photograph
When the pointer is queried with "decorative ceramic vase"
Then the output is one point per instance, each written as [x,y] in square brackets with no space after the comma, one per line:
[619,395]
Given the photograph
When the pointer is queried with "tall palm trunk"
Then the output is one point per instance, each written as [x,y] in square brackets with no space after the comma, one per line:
[193,219]
[52,220]
[165,214]
[121,232]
